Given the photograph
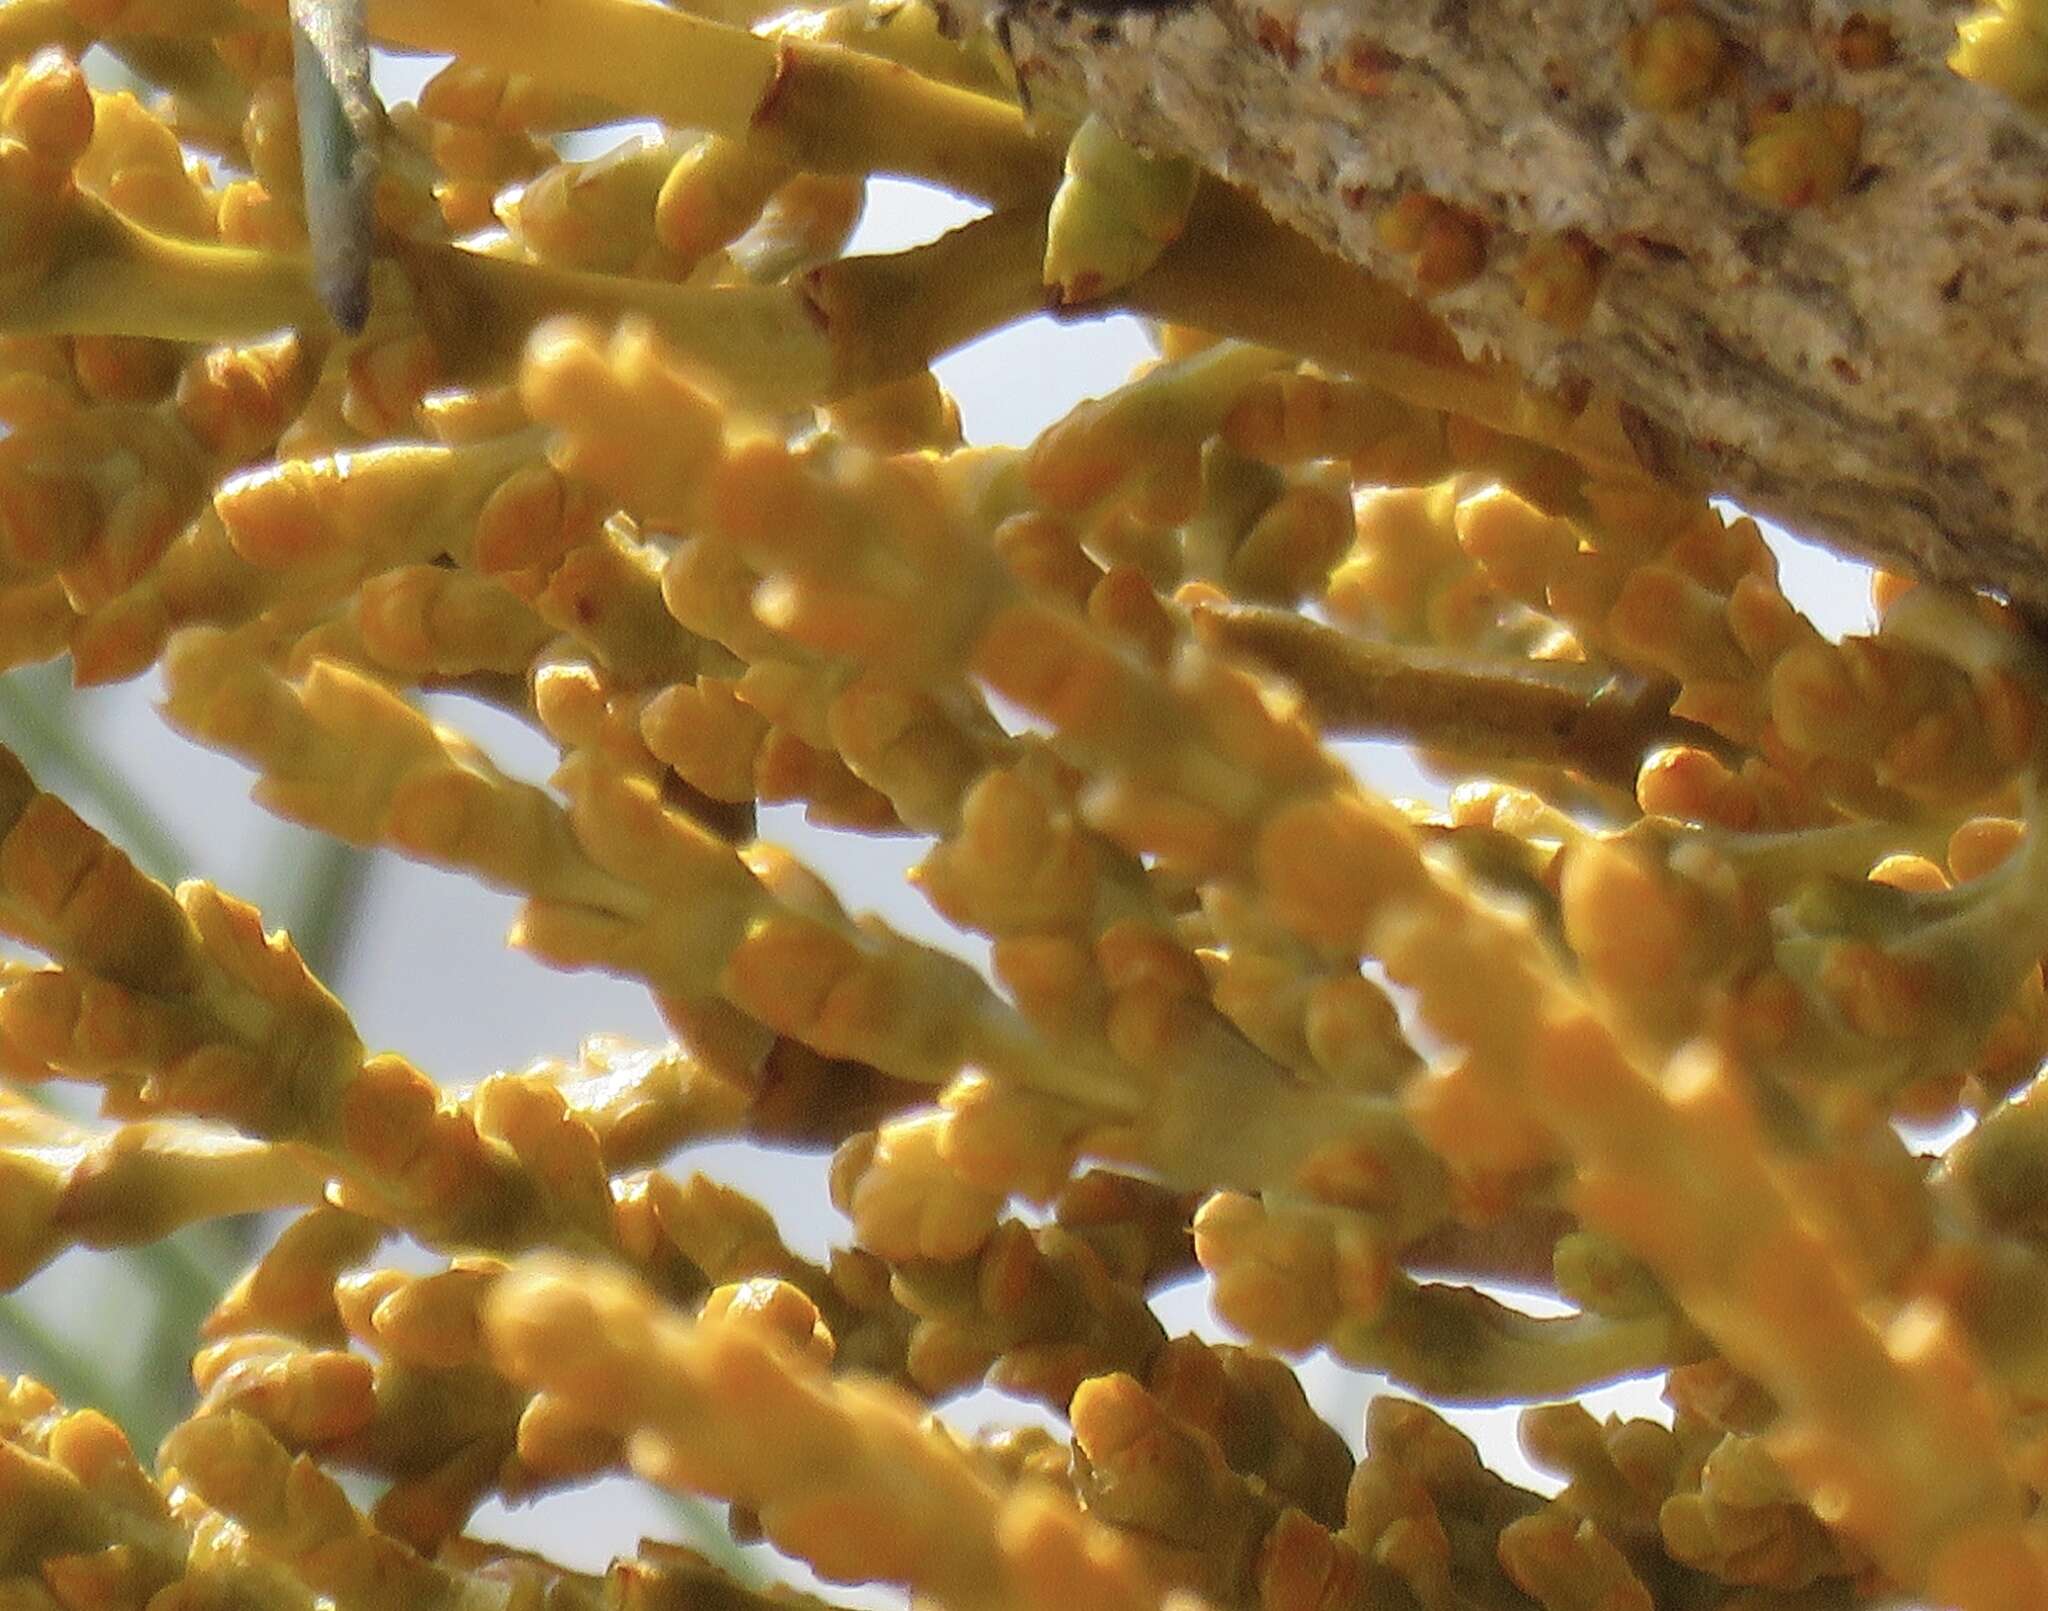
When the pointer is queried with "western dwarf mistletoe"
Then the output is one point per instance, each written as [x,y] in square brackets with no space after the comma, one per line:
[314,405]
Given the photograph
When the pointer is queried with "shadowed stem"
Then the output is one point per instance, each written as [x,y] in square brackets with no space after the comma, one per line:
[1499,709]
[1456,1345]
[849,325]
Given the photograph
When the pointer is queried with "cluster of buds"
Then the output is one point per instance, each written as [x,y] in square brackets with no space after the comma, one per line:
[632,448]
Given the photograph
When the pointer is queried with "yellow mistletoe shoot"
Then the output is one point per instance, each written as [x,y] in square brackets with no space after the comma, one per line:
[1690,1034]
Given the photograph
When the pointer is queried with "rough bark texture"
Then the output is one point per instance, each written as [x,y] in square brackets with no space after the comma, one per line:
[1872,370]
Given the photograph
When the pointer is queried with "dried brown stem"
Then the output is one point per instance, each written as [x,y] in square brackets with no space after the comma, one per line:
[1520,710]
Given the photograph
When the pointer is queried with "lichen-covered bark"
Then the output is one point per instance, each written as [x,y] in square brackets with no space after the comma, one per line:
[1871,370]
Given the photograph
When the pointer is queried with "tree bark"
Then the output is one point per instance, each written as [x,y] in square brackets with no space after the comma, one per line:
[1870,370]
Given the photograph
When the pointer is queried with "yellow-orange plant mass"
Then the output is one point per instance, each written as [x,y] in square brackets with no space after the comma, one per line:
[1720,912]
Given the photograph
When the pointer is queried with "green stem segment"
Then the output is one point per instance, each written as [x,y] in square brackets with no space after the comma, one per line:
[338,121]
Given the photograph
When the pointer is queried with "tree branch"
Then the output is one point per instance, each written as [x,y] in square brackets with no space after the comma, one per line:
[1870,369]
